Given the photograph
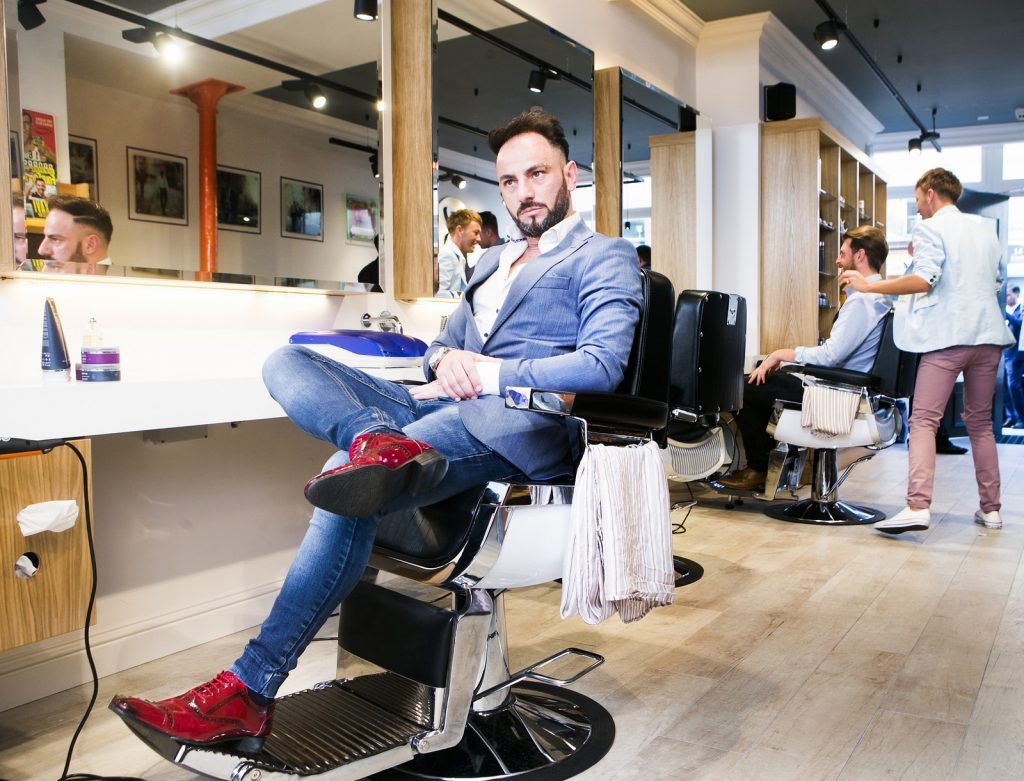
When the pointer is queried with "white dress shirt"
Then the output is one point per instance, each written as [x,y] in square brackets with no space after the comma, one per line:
[451,270]
[855,335]
[490,296]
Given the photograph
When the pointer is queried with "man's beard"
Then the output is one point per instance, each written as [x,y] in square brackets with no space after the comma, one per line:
[556,214]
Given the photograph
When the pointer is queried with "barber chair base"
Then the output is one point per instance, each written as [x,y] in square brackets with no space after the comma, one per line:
[541,733]
[838,513]
[687,571]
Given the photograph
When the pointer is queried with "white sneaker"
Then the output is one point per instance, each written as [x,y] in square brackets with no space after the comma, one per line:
[990,520]
[906,520]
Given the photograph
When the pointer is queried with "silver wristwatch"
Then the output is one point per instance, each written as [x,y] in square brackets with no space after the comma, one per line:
[436,358]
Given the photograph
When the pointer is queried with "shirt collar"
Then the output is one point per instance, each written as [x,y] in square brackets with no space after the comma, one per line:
[455,247]
[549,240]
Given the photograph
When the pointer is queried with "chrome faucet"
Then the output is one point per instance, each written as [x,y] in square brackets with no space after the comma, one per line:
[385,320]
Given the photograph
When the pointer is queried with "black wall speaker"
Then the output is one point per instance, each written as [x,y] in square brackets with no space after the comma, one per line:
[779,101]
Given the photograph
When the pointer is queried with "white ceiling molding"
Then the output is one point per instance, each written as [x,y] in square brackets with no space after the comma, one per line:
[785,55]
[216,18]
[671,15]
[732,31]
[1004,133]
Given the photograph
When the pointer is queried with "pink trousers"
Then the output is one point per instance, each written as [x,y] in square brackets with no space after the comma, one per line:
[936,376]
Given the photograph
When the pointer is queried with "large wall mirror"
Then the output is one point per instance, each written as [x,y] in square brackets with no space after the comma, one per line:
[102,104]
[646,111]
[492,62]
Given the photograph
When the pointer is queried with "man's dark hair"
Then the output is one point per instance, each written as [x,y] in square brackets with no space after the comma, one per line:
[488,220]
[1016,289]
[536,120]
[944,182]
[872,241]
[644,253]
[85,212]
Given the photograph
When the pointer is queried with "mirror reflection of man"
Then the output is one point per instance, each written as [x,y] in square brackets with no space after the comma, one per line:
[20,233]
[463,235]
[76,237]
[853,344]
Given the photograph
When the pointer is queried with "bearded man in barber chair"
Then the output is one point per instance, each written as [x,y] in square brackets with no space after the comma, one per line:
[556,308]
[852,344]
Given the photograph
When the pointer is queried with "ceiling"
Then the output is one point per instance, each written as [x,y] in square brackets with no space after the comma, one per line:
[964,53]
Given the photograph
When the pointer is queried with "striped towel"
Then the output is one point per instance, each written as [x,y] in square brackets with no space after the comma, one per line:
[620,548]
[828,412]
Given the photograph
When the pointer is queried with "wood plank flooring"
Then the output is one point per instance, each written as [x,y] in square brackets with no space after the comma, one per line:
[804,653]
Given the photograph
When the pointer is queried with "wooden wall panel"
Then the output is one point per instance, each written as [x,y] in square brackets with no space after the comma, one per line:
[608,151]
[674,208]
[412,148]
[789,239]
[53,601]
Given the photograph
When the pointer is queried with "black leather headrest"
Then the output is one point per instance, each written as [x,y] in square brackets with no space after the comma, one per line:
[647,372]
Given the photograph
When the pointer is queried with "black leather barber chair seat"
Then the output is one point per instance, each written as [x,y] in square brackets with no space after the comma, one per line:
[424,688]
[877,425]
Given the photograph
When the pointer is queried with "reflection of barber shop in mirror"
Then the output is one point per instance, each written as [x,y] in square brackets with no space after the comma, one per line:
[646,112]
[184,137]
[493,63]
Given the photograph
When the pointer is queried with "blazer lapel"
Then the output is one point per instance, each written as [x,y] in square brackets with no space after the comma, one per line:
[536,269]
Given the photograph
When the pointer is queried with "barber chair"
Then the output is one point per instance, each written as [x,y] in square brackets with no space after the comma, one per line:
[435,698]
[706,380]
[877,425]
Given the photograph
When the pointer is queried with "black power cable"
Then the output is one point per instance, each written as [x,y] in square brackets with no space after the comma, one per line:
[88,647]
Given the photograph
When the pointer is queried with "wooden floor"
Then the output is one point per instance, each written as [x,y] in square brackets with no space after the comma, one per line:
[804,653]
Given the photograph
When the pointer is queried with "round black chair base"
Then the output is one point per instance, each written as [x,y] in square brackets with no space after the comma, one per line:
[826,513]
[542,733]
[687,571]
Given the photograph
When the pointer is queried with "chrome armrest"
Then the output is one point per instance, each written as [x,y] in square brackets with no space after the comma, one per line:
[615,411]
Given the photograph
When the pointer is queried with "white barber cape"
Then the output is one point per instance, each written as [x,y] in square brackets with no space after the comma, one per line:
[620,548]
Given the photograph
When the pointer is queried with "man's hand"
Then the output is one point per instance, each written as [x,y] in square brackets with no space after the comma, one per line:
[431,390]
[855,280]
[457,374]
[766,367]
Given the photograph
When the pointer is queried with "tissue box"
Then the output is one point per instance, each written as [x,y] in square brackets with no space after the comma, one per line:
[364,349]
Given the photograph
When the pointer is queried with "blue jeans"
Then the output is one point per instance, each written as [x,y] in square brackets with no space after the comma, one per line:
[337,403]
[1013,367]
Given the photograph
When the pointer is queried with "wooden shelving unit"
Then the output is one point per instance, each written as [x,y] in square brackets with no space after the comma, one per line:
[814,185]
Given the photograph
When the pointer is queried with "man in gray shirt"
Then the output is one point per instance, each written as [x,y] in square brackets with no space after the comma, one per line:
[852,345]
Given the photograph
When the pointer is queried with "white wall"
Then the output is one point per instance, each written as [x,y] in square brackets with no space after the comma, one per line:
[244,140]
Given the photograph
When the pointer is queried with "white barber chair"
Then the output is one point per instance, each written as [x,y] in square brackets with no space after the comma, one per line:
[877,425]
[439,700]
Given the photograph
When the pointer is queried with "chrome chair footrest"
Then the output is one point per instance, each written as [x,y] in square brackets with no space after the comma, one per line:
[530,673]
[331,730]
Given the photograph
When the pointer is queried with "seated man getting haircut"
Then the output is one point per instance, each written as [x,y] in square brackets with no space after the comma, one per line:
[852,345]
[556,308]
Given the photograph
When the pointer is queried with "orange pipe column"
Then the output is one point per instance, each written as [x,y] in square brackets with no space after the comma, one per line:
[205,95]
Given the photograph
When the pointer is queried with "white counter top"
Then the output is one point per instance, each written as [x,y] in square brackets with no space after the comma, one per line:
[80,409]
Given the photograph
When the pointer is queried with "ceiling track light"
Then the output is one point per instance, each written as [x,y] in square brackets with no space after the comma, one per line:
[29,15]
[314,95]
[538,80]
[827,33]
[365,10]
[166,45]
[458,181]
[914,146]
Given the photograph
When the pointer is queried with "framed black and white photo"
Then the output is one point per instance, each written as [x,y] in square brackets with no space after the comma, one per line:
[238,200]
[157,187]
[84,161]
[302,210]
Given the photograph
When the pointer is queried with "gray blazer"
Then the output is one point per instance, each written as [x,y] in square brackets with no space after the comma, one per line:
[567,324]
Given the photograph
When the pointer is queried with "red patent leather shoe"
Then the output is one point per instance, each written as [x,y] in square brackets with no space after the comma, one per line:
[382,466]
[218,711]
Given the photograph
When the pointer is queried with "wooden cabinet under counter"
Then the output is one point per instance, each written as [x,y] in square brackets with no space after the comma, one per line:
[53,600]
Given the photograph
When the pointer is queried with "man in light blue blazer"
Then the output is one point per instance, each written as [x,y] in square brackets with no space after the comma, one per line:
[555,309]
